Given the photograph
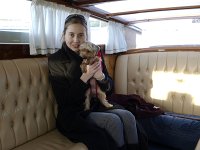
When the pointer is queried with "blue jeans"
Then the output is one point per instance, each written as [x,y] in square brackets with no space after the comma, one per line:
[119,123]
[173,131]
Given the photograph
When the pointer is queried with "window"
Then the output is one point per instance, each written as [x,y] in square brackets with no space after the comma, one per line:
[14,22]
[14,25]
[182,32]
[159,28]
[98,30]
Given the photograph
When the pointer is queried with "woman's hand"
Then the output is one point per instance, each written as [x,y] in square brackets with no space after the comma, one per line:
[99,75]
[91,70]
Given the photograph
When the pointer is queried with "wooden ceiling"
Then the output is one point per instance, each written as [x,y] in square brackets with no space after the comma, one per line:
[88,5]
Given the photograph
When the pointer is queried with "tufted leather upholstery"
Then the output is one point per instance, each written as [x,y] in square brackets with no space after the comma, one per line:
[28,108]
[170,80]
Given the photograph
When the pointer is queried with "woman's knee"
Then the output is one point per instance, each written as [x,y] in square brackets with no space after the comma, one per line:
[106,120]
[128,118]
[124,114]
[129,114]
[114,122]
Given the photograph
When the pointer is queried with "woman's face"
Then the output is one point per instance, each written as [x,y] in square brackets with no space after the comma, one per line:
[74,36]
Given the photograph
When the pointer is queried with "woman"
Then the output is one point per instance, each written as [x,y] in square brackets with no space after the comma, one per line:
[98,129]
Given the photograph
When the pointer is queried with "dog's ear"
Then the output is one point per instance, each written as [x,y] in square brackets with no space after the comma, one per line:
[89,46]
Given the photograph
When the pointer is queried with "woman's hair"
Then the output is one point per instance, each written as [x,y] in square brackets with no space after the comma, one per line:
[75,19]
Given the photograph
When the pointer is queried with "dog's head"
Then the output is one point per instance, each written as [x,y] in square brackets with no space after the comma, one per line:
[88,50]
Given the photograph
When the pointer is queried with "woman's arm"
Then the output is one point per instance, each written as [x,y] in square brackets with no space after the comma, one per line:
[67,91]
[104,80]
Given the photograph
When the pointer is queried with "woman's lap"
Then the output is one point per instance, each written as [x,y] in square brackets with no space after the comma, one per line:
[119,123]
[110,122]
[129,122]
[90,134]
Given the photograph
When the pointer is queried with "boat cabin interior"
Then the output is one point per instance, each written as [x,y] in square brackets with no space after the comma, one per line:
[151,49]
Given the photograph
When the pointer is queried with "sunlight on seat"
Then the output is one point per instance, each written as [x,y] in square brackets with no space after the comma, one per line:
[166,82]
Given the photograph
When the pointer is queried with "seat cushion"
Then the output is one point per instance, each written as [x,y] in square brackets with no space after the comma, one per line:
[51,141]
[198,145]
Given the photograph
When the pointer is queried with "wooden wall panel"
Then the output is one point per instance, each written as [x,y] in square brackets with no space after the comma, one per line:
[110,64]
[13,51]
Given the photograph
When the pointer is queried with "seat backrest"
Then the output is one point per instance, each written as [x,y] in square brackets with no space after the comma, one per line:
[27,105]
[170,80]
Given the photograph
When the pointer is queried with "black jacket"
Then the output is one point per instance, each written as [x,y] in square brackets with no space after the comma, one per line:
[69,91]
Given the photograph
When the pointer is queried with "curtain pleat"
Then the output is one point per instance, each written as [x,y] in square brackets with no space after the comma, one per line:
[116,38]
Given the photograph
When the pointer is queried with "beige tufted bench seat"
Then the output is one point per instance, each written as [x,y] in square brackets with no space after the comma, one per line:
[170,80]
[28,108]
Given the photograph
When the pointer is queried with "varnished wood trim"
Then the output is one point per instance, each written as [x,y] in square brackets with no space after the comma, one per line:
[162,49]
[163,18]
[152,10]
[93,13]
[92,2]
[14,51]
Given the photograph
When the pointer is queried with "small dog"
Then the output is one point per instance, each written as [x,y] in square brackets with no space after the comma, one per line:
[88,51]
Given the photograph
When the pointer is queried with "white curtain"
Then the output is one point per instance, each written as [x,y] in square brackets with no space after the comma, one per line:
[116,39]
[47,24]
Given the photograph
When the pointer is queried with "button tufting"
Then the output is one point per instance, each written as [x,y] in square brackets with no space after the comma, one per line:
[145,92]
[137,91]
[27,100]
[34,115]
[183,97]
[15,103]
[30,81]
[173,96]
[44,111]
[23,119]
[40,80]
[47,94]
[12,124]
[2,106]
[19,83]
[38,97]
[6,86]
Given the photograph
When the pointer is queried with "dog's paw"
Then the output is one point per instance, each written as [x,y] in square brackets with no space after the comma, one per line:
[87,107]
[108,105]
